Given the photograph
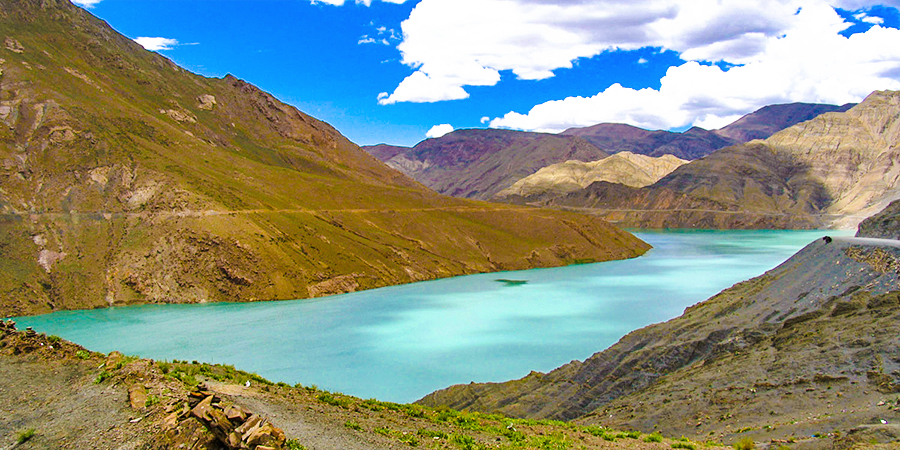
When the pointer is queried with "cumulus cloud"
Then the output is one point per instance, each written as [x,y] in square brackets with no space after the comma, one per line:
[811,62]
[784,50]
[86,3]
[156,43]
[439,130]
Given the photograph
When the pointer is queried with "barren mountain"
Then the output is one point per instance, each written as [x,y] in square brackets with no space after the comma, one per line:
[833,170]
[480,163]
[624,168]
[125,179]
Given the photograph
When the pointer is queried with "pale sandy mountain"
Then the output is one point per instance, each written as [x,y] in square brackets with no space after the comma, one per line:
[624,168]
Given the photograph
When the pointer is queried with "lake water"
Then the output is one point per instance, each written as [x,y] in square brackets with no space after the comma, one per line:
[400,343]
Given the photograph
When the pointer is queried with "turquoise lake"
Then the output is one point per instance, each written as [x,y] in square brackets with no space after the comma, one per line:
[400,343]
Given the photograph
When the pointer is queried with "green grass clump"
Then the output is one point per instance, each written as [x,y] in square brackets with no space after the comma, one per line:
[555,441]
[293,444]
[631,434]
[53,339]
[83,354]
[333,400]
[353,425]
[744,444]
[653,437]
[24,435]
[151,400]
[103,375]
[465,442]
[685,445]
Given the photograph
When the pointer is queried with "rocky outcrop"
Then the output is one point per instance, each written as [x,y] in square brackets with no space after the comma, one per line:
[230,426]
[784,348]
[771,119]
[614,138]
[885,224]
[624,168]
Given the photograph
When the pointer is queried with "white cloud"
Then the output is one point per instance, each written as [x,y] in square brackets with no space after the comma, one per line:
[366,40]
[811,63]
[86,3]
[452,44]
[156,43]
[439,130]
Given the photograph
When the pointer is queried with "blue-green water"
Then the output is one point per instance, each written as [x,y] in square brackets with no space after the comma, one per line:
[400,343]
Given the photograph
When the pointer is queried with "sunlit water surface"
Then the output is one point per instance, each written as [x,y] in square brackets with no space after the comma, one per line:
[400,343]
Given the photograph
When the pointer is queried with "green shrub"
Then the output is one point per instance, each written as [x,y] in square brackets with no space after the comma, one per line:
[24,435]
[353,425]
[53,339]
[83,354]
[653,437]
[151,400]
[744,444]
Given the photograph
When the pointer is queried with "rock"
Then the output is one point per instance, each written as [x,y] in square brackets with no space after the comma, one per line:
[206,102]
[13,45]
[179,116]
[30,332]
[236,414]
[201,411]
[137,397]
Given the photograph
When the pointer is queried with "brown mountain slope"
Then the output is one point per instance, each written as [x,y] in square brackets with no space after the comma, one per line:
[613,138]
[479,163]
[884,225]
[771,119]
[125,179]
[833,170]
[809,347]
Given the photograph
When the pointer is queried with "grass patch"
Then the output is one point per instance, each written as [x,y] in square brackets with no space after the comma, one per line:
[83,354]
[432,434]
[653,437]
[333,400]
[744,444]
[353,425]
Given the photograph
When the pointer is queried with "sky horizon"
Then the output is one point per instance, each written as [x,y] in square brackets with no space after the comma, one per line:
[398,71]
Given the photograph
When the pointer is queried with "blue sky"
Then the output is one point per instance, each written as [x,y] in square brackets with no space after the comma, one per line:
[395,71]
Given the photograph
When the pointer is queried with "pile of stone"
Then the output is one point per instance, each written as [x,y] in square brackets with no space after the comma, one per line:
[7,326]
[234,427]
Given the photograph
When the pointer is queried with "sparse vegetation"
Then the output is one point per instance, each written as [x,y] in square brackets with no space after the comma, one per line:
[103,375]
[83,354]
[353,425]
[685,445]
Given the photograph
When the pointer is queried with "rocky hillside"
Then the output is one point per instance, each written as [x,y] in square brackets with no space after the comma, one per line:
[808,348]
[771,119]
[624,168]
[614,138]
[885,224]
[479,163]
[833,170]
[125,179]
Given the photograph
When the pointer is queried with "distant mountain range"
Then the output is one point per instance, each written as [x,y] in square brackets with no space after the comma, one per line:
[481,163]
[833,170]
[126,179]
